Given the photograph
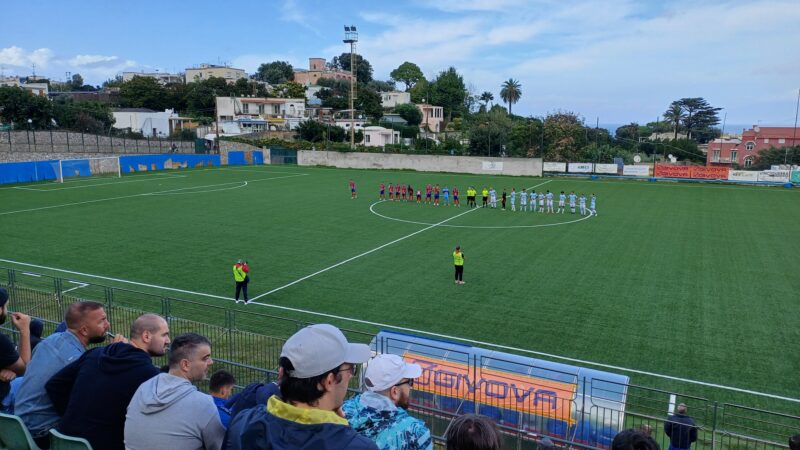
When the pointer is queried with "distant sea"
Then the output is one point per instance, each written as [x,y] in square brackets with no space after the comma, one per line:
[733,128]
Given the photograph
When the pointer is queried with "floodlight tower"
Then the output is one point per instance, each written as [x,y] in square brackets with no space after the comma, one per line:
[351,37]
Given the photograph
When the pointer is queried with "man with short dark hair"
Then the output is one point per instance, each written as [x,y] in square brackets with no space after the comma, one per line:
[318,364]
[167,411]
[93,393]
[794,442]
[13,362]
[380,412]
[680,429]
[472,432]
[87,323]
[633,439]
[221,387]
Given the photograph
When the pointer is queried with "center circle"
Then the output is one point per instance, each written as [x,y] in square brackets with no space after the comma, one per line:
[494,227]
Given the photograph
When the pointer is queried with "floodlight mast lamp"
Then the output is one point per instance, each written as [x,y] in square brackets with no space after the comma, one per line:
[351,37]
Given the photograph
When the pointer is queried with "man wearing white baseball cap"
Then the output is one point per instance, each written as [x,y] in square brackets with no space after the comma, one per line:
[380,412]
[318,364]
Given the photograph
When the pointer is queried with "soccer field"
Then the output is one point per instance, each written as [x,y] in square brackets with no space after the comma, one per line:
[697,282]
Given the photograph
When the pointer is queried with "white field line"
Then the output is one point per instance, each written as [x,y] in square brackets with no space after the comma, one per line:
[145,194]
[244,184]
[372,251]
[99,184]
[415,331]
[79,285]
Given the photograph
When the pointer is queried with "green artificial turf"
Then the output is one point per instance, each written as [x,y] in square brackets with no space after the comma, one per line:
[693,281]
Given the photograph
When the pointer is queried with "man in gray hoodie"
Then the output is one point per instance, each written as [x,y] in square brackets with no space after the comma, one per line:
[167,411]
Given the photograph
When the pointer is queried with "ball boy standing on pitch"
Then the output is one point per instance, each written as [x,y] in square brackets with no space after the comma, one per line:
[458,262]
[241,274]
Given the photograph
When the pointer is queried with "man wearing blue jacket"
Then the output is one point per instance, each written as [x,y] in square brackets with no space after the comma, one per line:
[318,364]
[681,429]
[92,394]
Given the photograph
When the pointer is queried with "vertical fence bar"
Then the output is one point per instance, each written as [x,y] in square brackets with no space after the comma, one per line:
[714,427]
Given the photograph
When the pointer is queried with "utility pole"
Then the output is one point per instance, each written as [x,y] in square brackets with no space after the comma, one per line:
[794,133]
[216,122]
[351,37]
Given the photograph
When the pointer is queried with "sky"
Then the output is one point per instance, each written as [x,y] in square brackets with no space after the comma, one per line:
[616,61]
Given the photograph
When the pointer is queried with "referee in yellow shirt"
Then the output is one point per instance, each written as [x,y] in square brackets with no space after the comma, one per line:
[458,262]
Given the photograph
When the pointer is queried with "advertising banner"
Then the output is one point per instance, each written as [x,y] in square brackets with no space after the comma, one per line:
[580,167]
[492,165]
[743,175]
[709,172]
[606,168]
[667,171]
[555,167]
[795,176]
[636,171]
[774,176]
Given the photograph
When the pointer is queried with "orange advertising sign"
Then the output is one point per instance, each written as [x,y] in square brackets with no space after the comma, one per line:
[506,390]
[701,172]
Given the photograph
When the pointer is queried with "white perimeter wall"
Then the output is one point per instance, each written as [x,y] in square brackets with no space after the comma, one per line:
[423,163]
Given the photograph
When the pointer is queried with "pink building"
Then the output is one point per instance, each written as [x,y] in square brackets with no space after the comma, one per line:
[745,150]
[432,116]
[317,68]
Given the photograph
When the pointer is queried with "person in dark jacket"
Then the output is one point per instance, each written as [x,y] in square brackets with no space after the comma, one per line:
[92,394]
[794,442]
[680,429]
[318,364]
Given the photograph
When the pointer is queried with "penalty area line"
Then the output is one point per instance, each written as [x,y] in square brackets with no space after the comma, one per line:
[412,330]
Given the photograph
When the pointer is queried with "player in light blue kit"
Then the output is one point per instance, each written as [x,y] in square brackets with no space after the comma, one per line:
[582,204]
[550,209]
[593,205]
[523,200]
[533,201]
[513,199]
[562,198]
[572,198]
[541,202]
[446,195]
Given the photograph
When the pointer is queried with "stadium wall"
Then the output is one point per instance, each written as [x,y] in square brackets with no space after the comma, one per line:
[423,163]
[23,145]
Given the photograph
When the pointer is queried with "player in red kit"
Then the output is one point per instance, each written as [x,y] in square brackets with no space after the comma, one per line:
[428,190]
[382,195]
[455,196]
[391,192]
[352,189]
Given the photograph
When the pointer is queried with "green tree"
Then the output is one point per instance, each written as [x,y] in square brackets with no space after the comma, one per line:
[420,92]
[700,118]
[775,156]
[511,92]
[525,138]
[94,117]
[290,89]
[77,82]
[675,115]
[564,136]
[489,132]
[143,92]
[363,67]
[312,131]
[410,113]
[407,73]
[369,101]
[485,98]
[276,72]
[19,105]
[449,92]
[381,86]
[200,97]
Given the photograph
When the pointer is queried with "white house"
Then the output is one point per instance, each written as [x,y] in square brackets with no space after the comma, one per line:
[163,78]
[394,98]
[380,136]
[38,89]
[146,121]
[279,113]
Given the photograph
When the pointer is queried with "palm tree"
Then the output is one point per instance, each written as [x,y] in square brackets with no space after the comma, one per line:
[675,115]
[511,92]
[486,97]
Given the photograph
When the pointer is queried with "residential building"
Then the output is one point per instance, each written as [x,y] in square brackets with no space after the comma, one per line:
[432,117]
[277,113]
[745,150]
[393,119]
[163,78]
[206,71]
[318,68]
[149,122]
[38,89]
[380,136]
[394,98]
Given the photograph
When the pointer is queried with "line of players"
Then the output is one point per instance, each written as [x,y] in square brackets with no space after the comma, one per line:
[542,202]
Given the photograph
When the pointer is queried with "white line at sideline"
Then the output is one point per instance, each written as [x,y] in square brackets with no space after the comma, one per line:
[439,335]
[98,184]
[79,285]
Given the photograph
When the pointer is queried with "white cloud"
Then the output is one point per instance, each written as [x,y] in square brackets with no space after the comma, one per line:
[19,57]
[93,68]
[87,60]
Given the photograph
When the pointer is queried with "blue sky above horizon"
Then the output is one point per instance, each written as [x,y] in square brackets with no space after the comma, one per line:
[616,60]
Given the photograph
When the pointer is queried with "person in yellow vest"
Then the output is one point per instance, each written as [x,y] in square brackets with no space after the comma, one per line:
[458,261]
[241,274]
[485,195]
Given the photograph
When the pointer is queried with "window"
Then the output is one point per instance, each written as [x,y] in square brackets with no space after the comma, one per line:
[781,141]
[261,109]
[748,161]
[367,138]
[766,140]
[733,156]
[715,158]
[246,108]
[750,145]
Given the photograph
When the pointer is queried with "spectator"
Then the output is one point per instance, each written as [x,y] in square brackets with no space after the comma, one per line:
[681,429]
[167,411]
[92,393]
[254,394]
[472,432]
[7,403]
[318,364]
[380,412]
[13,362]
[36,327]
[633,439]
[646,429]
[221,387]
[794,442]
[546,444]
[87,323]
